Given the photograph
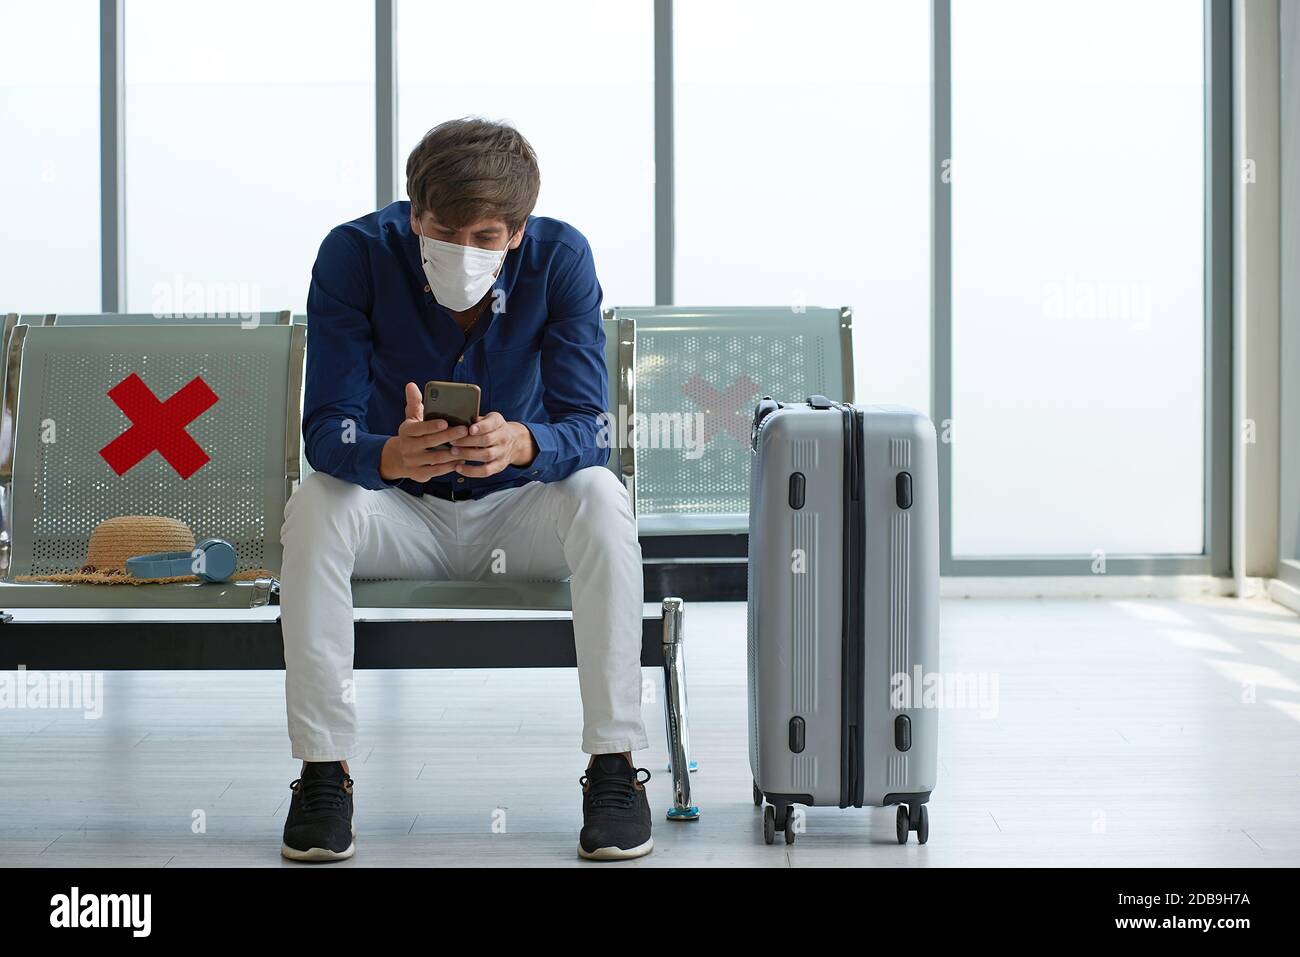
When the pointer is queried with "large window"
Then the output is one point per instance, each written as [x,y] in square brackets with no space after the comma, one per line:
[1073,214]
[803,145]
[1078,311]
[249,134]
[49,156]
[583,96]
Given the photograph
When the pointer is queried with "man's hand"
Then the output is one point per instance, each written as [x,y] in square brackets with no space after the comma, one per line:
[410,454]
[492,444]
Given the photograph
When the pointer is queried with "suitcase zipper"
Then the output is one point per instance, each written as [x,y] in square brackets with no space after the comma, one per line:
[852,674]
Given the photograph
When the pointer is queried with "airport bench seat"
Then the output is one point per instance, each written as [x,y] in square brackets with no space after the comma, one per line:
[57,491]
[704,369]
[229,595]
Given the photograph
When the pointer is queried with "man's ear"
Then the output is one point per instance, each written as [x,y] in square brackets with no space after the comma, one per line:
[415,221]
[516,239]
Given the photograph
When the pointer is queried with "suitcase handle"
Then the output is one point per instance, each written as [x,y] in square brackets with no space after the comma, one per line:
[766,406]
[820,402]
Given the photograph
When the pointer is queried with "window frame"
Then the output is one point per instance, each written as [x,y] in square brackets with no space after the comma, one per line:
[1215,555]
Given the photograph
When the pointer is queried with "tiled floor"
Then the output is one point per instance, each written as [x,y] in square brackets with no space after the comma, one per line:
[1123,732]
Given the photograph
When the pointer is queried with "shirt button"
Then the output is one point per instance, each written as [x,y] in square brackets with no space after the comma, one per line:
[427,289]
[459,480]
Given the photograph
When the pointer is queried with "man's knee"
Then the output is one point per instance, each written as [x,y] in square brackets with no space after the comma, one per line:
[597,489]
[322,503]
[595,500]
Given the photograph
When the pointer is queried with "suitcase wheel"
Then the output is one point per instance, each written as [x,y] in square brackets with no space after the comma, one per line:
[775,819]
[918,822]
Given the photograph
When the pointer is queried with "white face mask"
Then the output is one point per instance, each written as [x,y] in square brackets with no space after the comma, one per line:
[458,275]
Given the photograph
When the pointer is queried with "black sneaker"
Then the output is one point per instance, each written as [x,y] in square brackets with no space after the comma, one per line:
[319,826]
[615,812]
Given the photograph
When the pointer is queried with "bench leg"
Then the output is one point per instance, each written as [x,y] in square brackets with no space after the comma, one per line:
[675,712]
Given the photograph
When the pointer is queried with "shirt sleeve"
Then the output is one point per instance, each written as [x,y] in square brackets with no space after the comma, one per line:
[337,437]
[574,379]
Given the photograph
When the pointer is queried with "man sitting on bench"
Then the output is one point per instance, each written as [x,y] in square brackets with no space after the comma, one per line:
[461,284]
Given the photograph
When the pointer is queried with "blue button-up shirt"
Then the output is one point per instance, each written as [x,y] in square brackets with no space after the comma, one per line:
[373,326]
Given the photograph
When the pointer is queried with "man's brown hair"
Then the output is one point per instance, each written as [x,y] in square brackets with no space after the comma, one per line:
[472,169]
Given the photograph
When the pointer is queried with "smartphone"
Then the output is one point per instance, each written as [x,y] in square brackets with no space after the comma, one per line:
[457,402]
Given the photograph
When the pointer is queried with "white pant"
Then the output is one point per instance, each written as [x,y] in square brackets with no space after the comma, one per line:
[335,531]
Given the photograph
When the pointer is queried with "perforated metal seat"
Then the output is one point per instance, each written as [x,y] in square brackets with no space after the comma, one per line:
[700,371]
[246,320]
[60,486]
[494,596]
[47,540]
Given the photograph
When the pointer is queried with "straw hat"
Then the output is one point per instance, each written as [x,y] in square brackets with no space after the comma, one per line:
[114,540]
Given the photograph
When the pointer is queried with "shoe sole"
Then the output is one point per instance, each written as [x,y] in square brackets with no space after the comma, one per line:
[315,855]
[616,853]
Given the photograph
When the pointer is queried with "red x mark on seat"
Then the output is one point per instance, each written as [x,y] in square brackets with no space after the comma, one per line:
[158,426]
[727,410]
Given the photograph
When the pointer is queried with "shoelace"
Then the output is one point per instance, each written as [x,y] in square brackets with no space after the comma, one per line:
[614,790]
[321,794]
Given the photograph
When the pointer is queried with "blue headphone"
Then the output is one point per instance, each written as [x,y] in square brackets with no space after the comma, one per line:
[215,556]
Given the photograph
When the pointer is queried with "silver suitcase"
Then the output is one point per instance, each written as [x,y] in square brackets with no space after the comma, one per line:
[843,610]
